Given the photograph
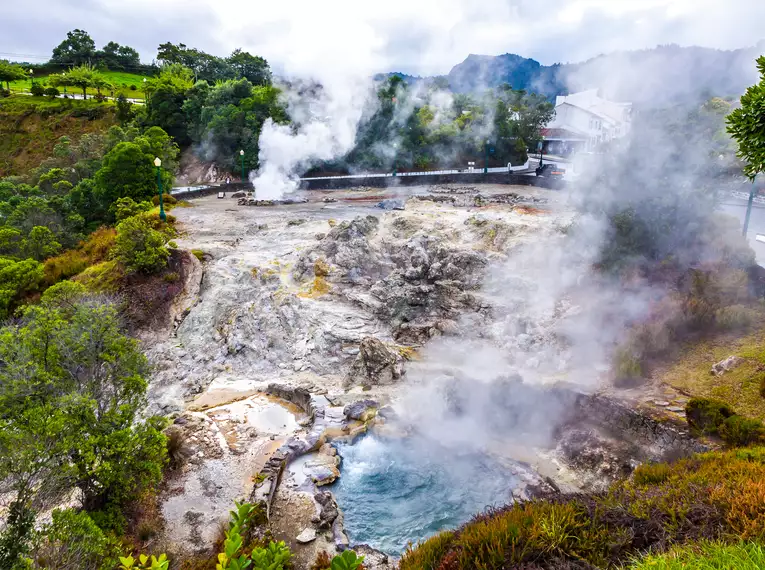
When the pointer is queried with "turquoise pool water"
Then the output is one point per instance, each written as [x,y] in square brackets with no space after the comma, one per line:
[396,491]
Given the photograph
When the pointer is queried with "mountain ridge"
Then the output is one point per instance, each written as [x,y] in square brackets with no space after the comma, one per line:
[666,74]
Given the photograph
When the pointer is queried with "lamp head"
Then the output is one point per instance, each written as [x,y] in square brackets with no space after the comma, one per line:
[157,162]
[241,153]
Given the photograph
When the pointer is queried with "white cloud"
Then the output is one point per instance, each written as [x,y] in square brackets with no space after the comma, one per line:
[417,36]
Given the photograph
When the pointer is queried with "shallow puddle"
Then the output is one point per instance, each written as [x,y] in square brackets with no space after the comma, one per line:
[266,415]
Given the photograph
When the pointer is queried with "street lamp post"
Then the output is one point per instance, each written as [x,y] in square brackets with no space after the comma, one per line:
[145,94]
[31,78]
[749,207]
[486,162]
[158,163]
[241,154]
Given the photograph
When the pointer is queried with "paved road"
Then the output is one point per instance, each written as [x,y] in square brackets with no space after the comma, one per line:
[737,207]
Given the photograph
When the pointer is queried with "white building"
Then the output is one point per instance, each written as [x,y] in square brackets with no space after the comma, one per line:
[583,121]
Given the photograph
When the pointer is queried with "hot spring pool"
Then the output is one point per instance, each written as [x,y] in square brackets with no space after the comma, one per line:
[396,491]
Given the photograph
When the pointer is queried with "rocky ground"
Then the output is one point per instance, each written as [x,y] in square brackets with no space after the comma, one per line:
[308,322]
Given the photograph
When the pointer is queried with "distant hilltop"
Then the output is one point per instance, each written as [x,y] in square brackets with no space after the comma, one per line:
[660,76]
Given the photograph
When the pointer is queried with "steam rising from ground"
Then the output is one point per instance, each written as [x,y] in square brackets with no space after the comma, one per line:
[325,118]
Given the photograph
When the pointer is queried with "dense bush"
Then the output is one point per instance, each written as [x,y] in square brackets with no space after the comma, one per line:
[167,200]
[93,250]
[735,317]
[740,431]
[37,89]
[72,541]
[127,208]
[707,415]
[139,247]
[709,496]
[52,92]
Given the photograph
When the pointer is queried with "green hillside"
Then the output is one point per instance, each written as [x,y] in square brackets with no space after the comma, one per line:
[30,127]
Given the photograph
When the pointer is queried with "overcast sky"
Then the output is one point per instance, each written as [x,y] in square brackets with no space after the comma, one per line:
[414,36]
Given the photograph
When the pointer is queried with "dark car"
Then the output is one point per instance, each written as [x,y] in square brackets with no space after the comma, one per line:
[550,170]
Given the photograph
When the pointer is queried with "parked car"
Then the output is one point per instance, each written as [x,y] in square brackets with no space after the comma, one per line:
[550,170]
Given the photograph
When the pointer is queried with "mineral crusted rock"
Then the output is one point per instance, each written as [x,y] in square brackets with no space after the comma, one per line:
[362,411]
[726,365]
[308,535]
[375,365]
[323,469]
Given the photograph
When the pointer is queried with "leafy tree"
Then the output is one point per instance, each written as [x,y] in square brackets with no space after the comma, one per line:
[82,77]
[115,57]
[124,110]
[127,171]
[11,72]
[164,107]
[10,242]
[77,49]
[747,125]
[40,244]
[139,247]
[231,116]
[17,278]
[251,67]
[70,388]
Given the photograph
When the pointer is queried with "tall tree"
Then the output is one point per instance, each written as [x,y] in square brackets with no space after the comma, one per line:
[114,56]
[10,72]
[747,126]
[77,49]
[251,67]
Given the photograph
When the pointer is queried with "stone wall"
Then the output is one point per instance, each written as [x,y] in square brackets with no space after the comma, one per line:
[430,179]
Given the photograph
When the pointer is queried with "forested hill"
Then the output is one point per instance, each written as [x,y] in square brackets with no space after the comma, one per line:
[659,76]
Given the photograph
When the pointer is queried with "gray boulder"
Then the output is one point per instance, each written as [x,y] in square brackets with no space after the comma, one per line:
[375,365]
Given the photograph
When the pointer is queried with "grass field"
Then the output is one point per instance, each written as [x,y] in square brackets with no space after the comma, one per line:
[740,387]
[121,80]
[707,556]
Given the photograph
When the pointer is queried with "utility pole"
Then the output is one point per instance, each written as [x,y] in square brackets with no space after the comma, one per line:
[486,160]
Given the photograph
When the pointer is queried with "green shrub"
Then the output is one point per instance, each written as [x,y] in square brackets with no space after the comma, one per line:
[627,366]
[735,317]
[167,199]
[707,415]
[72,541]
[651,473]
[739,431]
[199,254]
[52,92]
[139,247]
[37,89]
[276,556]
[347,560]
[127,208]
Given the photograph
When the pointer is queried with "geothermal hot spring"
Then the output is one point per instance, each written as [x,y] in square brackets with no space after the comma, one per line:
[395,491]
